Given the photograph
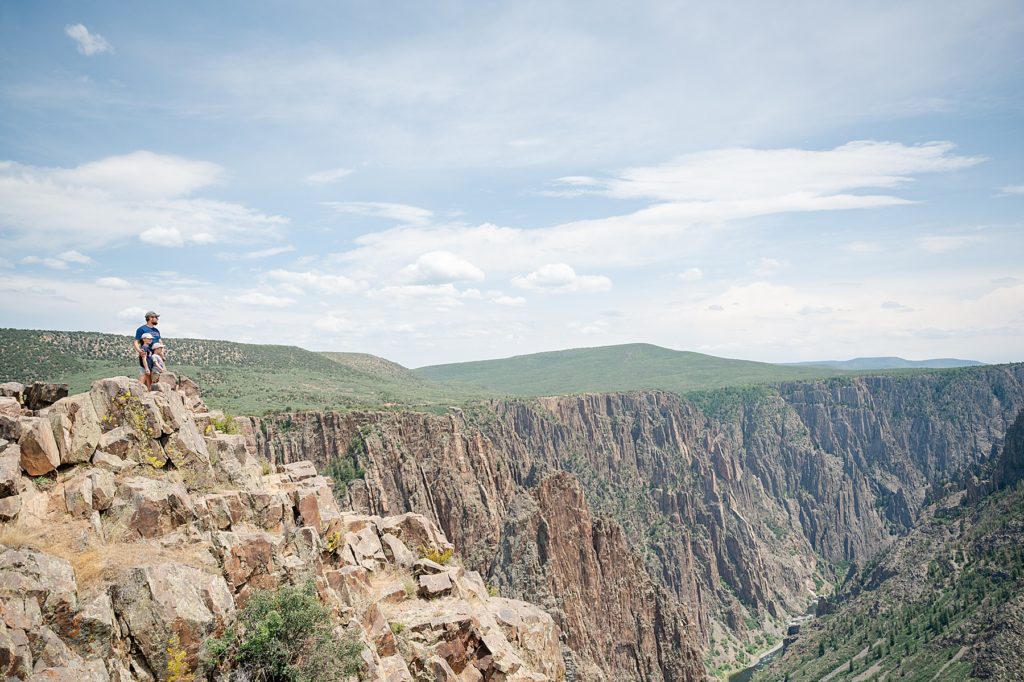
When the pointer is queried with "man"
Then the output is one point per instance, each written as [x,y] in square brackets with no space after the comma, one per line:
[153,336]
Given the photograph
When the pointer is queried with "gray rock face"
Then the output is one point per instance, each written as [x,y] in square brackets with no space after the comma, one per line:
[10,470]
[76,428]
[153,508]
[155,602]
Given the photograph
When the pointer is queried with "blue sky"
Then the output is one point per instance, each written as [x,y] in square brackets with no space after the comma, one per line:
[436,182]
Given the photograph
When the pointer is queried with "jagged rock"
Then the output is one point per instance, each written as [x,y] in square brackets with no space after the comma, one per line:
[433,585]
[29,573]
[13,389]
[117,441]
[377,631]
[396,552]
[10,507]
[76,428]
[299,471]
[224,510]
[40,395]
[426,566]
[156,602]
[10,407]
[15,653]
[10,470]
[104,489]
[111,462]
[39,453]
[153,508]
[248,560]
[415,531]
[78,495]
[351,583]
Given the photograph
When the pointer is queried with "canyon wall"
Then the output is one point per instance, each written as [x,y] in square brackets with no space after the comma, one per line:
[660,532]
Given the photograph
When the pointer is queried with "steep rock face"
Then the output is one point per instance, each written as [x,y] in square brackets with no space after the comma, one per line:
[118,568]
[726,502]
[1009,467]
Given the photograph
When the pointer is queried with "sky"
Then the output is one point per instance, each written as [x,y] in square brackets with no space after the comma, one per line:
[438,182]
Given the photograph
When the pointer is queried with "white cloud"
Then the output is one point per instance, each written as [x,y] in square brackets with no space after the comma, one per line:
[765,267]
[401,213]
[132,313]
[947,243]
[88,43]
[258,299]
[297,283]
[327,177]
[258,254]
[333,323]
[743,174]
[162,236]
[1012,189]
[561,278]
[862,247]
[896,306]
[116,198]
[504,299]
[690,275]
[438,267]
[75,257]
[113,283]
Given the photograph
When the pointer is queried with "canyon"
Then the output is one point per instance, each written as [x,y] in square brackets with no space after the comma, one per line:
[667,536]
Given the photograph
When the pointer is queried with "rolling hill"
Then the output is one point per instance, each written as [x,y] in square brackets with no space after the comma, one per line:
[615,368]
[237,377]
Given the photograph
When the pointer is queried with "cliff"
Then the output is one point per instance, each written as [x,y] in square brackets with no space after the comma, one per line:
[718,508]
[133,530]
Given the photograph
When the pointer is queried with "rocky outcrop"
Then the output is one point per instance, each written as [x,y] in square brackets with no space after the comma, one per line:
[120,562]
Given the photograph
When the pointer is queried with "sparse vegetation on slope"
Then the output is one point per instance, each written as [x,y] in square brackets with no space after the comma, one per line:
[628,367]
[237,377]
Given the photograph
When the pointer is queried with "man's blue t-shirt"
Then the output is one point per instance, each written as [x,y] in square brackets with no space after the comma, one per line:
[146,329]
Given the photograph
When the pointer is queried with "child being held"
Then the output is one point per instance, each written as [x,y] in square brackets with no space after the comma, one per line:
[157,360]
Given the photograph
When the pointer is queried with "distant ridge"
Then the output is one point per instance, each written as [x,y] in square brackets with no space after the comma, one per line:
[859,364]
[628,367]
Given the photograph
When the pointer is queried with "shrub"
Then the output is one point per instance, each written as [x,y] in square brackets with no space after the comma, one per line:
[437,555]
[225,424]
[177,663]
[285,635]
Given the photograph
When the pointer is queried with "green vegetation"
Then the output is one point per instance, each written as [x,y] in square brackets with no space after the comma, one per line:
[628,367]
[225,424]
[285,635]
[913,630]
[236,377]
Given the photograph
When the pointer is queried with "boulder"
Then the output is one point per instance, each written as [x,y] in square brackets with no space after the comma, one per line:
[76,428]
[433,585]
[156,602]
[416,531]
[10,507]
[117,441]
[299,471]
[426,566]
[15,653]
[377,631]
[351,583]
[40,395]
[153,508]
[12,389]
[104,489]
[396,552]
[110,462]
[39,452]
[10,470]
[10,407]
[223,510]
[78,495]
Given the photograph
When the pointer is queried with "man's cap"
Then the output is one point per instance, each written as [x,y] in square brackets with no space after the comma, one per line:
[147,335]
[151,314]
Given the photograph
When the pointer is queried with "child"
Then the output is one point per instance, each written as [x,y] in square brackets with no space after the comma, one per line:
[158,366]
[146,360]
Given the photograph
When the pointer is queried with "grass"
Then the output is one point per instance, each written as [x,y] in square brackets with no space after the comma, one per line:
[616,368]
[237,378]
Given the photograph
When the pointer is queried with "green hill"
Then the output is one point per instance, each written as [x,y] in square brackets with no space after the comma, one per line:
[237,377]
[615,368]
